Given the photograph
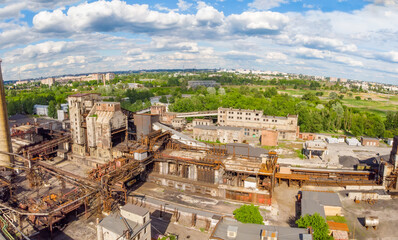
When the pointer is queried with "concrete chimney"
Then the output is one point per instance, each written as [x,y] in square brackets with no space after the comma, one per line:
[5,138]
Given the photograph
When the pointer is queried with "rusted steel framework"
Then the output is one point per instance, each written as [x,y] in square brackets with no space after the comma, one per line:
[45,149]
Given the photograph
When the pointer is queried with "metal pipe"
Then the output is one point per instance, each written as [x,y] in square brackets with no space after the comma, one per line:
[5,138]
[15,227]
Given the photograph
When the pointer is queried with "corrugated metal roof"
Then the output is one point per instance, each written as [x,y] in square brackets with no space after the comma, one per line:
[252,231]
[314,202]
[135,209]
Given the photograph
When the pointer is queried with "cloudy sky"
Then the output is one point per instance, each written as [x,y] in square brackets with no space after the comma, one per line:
[342,38]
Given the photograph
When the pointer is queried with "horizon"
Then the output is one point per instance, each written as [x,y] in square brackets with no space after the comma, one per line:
[345,39]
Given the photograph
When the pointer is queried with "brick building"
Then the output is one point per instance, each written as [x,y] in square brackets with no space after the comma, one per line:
[365,141]
[253,121]
[269,138]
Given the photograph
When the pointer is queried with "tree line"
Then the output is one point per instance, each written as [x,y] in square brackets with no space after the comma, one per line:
[314,115]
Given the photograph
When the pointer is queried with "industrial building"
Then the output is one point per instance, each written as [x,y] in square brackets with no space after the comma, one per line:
[323,203]
[254,121]
[131,222]
[222,134]
[366,141]
[202,122]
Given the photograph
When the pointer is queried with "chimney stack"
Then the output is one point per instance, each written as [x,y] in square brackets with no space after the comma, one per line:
[5,138]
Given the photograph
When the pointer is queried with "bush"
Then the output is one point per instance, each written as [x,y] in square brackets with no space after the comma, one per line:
[248,214]
[357,98]
[318,225]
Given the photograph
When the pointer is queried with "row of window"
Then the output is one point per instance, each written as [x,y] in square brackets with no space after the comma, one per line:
[249,119]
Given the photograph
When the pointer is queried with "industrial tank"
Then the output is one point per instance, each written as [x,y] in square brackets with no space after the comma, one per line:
[371,221]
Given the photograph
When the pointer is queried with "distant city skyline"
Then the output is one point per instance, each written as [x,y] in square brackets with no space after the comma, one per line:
[339,38]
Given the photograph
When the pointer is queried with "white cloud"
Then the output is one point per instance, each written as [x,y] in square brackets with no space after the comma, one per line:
[326,55]
[276,56]
[257,23]
[111,16]
[208,16]
[317,42]
[391,56]
[183,5]
[386,2]
[12,10]
[42,51]
[13,37]
[266,4]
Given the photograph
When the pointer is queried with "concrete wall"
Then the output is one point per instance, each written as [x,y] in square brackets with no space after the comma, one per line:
[332,211]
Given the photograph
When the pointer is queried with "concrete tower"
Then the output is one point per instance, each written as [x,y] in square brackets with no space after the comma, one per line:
[5,138]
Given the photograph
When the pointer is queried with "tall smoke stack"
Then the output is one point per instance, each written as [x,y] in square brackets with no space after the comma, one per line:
[5,138]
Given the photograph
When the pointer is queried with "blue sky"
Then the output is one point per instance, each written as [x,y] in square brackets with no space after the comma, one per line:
[340,38]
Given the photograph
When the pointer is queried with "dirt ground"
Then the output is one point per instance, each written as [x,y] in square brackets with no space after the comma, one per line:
[220,206]
[283,211]
[386,210]
[164,228]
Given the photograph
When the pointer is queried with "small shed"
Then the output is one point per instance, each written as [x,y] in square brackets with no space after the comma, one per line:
[367,141]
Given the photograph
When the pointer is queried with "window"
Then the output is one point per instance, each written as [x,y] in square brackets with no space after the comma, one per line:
[144,219]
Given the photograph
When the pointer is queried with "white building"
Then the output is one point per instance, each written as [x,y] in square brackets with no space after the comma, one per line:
[41,110]
[48,81]
[132,222]
[135,85]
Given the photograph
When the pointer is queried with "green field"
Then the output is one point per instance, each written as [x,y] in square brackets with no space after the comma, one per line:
[377,107]
[380,103]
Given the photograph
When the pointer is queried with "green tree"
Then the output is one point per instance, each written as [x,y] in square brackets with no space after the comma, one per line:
[52,109]
[310,96]
[318,225]
[333,95]
[163,99]
[248,214]
[357,98]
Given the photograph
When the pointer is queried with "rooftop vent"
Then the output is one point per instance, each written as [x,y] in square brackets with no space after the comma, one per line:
[232,232]
[268,235]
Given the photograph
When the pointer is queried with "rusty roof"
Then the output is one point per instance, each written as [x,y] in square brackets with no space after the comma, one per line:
[338,226]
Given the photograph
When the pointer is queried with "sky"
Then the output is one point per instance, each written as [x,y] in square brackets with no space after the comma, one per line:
[339,38]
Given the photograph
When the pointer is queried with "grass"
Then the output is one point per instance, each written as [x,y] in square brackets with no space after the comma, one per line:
[210,142]
[378,107]
[300,154]
[338,219]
